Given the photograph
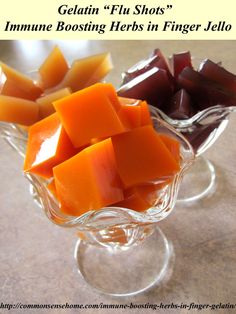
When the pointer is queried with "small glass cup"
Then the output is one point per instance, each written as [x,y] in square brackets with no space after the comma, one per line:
[120,251]
[201,130]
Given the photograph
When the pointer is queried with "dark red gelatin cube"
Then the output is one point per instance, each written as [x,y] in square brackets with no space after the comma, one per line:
[205,92]
[218,74]
[153,86]
[181,61]
[156,59]
[162,64]
[199,135]
[180,106]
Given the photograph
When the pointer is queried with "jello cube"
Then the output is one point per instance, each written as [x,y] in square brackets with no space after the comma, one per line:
[145,114]
[88,114]
[218,74]
[156,59]
[135,114]
[173,145]
[52,188]
[53,69]
[162,62]
[130,116]
[89,180]
[129,101]
[153,86]
[180,105]
[45,102]
[18,110]
[109,90]
[180,61]
[201,134]
[87,71]
[140,197]
[207,93]
[48,145]
[16,84]
[141,156]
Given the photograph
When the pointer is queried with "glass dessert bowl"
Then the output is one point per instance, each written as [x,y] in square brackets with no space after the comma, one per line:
[197,103]
[120,251]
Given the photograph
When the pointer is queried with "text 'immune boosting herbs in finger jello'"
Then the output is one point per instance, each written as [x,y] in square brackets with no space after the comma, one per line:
[113,15]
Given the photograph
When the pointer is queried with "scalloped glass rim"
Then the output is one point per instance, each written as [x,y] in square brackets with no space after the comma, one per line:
[207,116]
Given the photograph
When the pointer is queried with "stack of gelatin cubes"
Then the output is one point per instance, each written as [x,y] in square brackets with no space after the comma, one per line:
[100,150]
[176,87]
[24,101]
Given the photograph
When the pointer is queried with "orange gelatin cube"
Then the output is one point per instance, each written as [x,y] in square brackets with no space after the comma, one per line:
[89,180]
[134,113]
[15,84]
[141,156]
[87,71]
[88,114]
[129,101]
[145,114]
[96,140]
[48,145]
[130,116]
[45,102]
[142,197]
[148,192]
[139,197]
[18,110]
[133,201]
[173,145]
[109,90]
[52,187]
[53,69]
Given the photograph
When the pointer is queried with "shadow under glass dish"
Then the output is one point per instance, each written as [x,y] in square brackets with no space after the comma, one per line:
[120,251]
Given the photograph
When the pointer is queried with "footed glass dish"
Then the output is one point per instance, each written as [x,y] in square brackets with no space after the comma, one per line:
[201,130]
[119,251]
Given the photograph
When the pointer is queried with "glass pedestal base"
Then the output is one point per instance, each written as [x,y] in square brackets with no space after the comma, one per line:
[125,271]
